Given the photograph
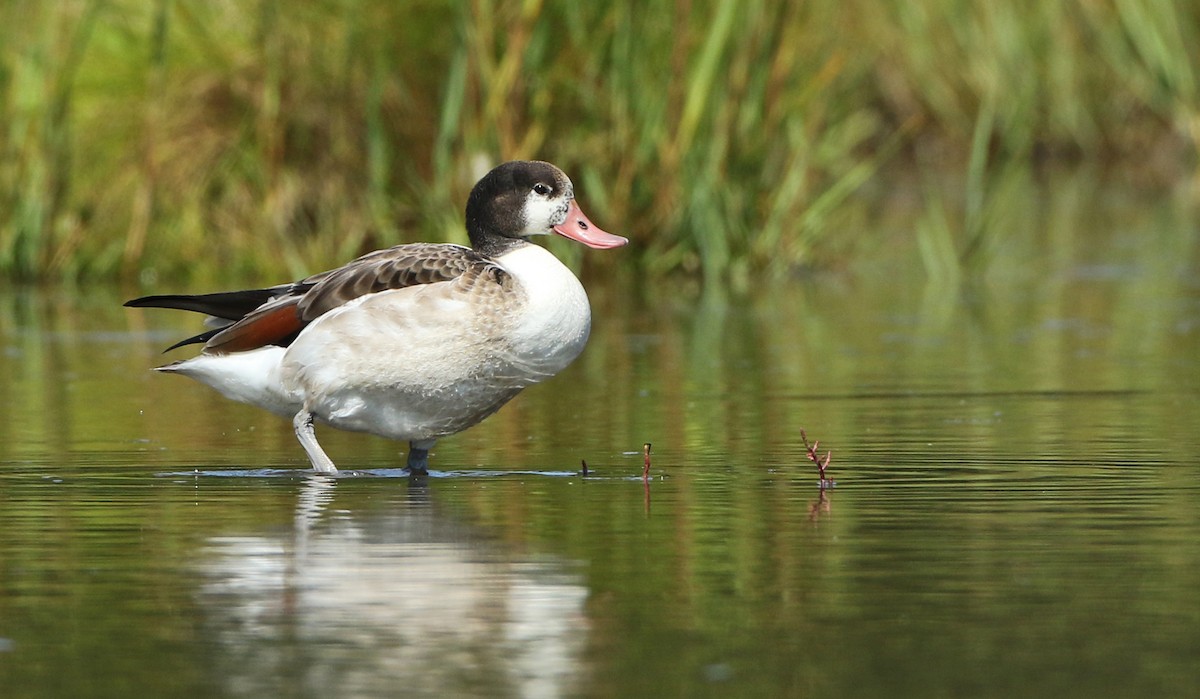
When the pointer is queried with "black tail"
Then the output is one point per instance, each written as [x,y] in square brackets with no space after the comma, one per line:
[230,305]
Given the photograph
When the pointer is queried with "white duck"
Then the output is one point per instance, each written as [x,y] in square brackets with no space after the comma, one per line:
[415,342]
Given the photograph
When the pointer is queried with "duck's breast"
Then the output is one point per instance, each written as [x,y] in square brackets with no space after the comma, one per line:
[552,319]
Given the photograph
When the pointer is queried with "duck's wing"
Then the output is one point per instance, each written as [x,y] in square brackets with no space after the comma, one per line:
[253,318]
[280,319]
[393,268]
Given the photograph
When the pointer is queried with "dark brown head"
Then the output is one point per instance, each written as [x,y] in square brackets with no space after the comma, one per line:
[524,198]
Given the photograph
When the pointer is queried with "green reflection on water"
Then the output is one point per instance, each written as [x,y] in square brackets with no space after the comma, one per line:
[1016,511]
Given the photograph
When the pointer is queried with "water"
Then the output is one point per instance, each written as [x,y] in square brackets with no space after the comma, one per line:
[1016,509]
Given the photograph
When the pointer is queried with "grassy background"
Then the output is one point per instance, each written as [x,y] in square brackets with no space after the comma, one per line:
[262,138]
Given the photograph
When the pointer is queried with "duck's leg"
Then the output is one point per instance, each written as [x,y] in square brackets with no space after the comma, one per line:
[303,422]
[418,456]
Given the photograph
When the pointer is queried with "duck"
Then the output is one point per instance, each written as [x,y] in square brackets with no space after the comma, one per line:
[414,342]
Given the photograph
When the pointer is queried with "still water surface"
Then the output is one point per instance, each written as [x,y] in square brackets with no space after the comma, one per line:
[1017,510]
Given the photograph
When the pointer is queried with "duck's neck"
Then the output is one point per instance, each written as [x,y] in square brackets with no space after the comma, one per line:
[492,245]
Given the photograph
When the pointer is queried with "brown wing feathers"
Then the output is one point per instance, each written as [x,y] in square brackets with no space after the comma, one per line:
[394,268]
[276,323]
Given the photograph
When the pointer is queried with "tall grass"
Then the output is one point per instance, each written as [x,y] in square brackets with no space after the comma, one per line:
[727,138]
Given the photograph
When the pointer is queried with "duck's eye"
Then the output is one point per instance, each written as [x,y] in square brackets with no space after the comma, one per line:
[541,188]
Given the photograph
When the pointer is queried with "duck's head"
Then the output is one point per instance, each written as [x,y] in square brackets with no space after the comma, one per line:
[525,198]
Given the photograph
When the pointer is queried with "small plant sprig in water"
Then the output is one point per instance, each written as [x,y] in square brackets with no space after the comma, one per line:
[646,475]
[822,463]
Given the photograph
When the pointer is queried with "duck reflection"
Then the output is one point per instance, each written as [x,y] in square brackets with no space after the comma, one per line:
[404,602]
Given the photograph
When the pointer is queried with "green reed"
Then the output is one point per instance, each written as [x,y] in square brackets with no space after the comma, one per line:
[727,138]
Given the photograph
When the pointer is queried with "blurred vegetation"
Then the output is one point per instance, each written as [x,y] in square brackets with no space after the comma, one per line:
[141,139]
